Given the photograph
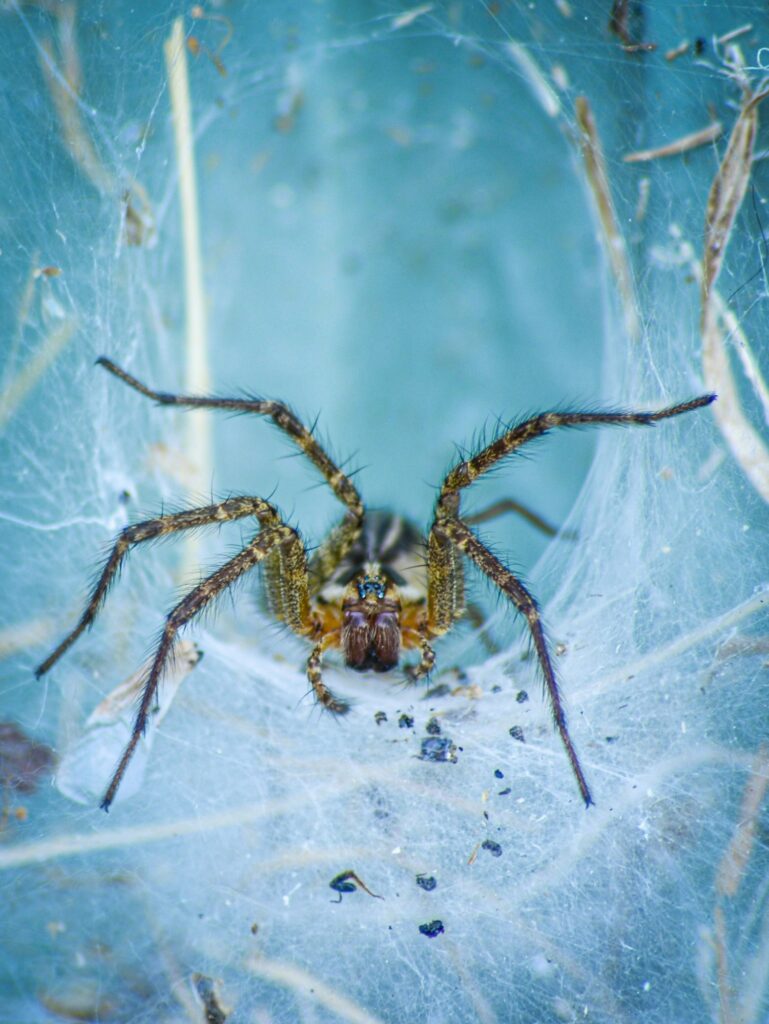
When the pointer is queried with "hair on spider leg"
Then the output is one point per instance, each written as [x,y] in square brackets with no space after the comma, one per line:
[346,705]
[365,590]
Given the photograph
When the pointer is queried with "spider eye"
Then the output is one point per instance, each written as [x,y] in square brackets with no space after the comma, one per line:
[371,585]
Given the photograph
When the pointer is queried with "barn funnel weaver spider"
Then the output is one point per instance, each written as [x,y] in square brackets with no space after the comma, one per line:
[368,590]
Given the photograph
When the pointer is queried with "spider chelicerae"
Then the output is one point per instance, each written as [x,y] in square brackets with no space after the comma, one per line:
[374,588]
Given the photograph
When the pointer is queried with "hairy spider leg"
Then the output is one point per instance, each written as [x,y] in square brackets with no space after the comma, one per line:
[287,578]
[344,534]
[324,696]
[192,605]
[461,535]
[426,662]
[449,534]
[463,474]
[499,508]
[153,529]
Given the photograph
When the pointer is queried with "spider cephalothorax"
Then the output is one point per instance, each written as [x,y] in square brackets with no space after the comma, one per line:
[375,588]
[371,630]
[380,587]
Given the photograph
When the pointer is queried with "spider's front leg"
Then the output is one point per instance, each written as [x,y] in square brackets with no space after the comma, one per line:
[344,535]
[425,664]
[323,695]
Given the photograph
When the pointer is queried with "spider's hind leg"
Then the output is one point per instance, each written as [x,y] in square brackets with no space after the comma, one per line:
[459,534]
[153,529]
[299,617]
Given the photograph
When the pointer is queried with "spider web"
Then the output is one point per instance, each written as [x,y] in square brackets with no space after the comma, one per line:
[406,224]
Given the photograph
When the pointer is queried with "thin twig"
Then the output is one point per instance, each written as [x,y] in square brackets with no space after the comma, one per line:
[197,376]
[682,145]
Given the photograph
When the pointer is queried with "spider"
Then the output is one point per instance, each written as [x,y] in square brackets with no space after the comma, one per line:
[374,588]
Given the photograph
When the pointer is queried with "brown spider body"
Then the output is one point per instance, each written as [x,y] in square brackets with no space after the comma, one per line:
[374,588]
[381,589]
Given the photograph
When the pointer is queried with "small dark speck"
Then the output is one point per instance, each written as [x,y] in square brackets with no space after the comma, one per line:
[426,882]
[522,696]
[498,773]
[254,928]
[494,848]
[612,739]
[700,45]
[380,717]
[504,792]
[496,688]
[432,928]
[517,733]
[433,727]
[405,722]
[438,748]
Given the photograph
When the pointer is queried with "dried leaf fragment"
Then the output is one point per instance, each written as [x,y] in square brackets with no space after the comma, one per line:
[724,201]
[728,189]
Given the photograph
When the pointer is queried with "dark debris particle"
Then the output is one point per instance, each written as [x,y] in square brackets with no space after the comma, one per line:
[380,717]
[426,882]
[521,697]
[498,773]
[494,848]
[22,761]
[619,21]
[348,881]
[496,688]
[405,722]
[341,884]
[611,739]
[700,45]
[206,992]
[438,748]
[517,733]
[433,727]
[504,792]
[432,928]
